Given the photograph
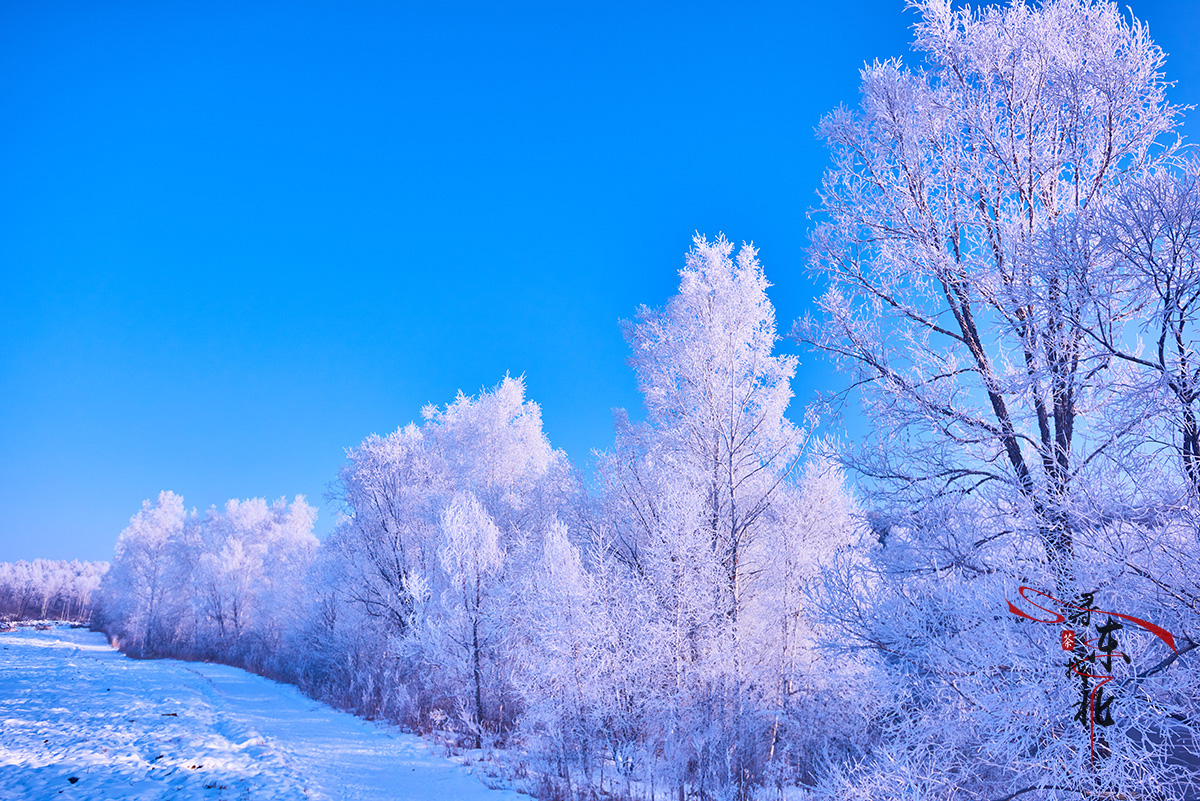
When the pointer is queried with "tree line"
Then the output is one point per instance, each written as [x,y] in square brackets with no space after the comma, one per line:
[1008,239]
[48,589]
[649,631]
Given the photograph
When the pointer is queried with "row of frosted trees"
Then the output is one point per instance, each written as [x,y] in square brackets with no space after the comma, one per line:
[47,589]
[647,635]
[1010,241]
[227,585]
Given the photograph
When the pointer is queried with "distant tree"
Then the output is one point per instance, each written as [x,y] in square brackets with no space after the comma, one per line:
[46,588]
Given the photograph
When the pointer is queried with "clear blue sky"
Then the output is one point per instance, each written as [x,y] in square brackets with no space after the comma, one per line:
[237,237]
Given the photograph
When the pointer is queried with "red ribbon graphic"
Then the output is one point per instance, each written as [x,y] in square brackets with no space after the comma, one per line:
[1157,631]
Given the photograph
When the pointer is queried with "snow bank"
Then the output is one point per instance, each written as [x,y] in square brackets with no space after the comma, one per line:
[80,720]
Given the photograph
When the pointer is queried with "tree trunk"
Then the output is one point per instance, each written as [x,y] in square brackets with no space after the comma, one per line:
[475,660]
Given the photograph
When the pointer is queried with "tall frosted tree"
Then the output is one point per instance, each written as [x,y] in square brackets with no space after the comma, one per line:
[463,628]
[956,234]
[390,490]
[981,232]
[689,500]
[715,397]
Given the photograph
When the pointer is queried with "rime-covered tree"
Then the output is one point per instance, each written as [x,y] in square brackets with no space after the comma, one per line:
[715,398]
[47,588]
[690,502]
[976,229]
[556,666]
[249,575]
[464,626]
[955,235]
[1152,229]
[390,489]
[389,563]
[147,593]
[228,586]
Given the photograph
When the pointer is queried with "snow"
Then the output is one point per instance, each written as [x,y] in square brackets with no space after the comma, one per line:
[71,706]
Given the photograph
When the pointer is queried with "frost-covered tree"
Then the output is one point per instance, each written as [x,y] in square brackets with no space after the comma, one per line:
[390,489]
[463,628]
[555,668]
[692,501]
[955,234]
[493,444]
[249,575]
[1153,295]
[395,562]
[715,432]
[983,236]
[228,586]
[147,593]
[45,588]
[814,523]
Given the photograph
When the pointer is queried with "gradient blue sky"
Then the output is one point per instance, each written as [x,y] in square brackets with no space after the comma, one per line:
[237,237]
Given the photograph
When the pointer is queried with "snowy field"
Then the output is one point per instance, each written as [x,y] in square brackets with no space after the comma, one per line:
[80,720]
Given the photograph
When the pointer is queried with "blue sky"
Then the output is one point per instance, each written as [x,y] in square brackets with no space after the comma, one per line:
[237,237]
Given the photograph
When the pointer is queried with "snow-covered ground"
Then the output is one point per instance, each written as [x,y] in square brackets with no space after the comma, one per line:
[80,720]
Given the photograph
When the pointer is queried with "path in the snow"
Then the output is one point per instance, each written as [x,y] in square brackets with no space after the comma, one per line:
[73,707]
